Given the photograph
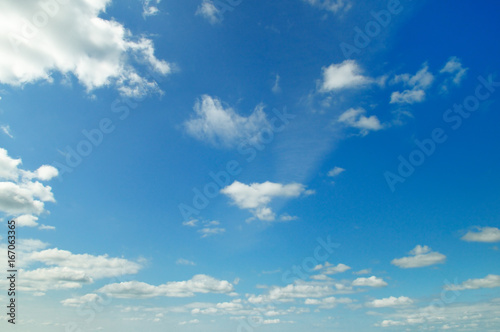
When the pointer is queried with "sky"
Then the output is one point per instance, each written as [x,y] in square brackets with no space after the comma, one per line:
[233,165]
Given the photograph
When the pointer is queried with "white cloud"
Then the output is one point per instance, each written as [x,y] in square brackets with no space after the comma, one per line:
[390,302]
[482,234]
[342,76]
[299,289]
[208,231]
[72,38]
[454,66]
[149,7]
[490,281]
[26,220]
[182,261]
[335,171]
[190,223]
[276,87]
[331,5]
[420,256]
[198,284]
[328,302]
[355,117]
[6,130]
[192,321]
[223,127]
[328,268]
[256,196]
[209,11]
[364,271]
[19,195]
[43,279]
[81,300]
[369,282]
[94,266]
[418,83]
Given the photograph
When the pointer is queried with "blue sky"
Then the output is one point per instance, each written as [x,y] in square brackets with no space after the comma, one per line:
[205,165]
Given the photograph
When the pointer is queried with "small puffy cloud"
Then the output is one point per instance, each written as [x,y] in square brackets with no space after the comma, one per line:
[288,293]
[209,11]
[256,196]
[328,302]
[198,284]
[182,261]
[43,279]
[369,282]
[420,256]
[490,281]
[335,171]
[26,220]
[223,127]
[81,300]
[331,269]
[390,302]
[192,321]
[19,194]
[331,5]
[355,118]
[74,39]
[342,76]
[454,67]
[417,83]
[482,234]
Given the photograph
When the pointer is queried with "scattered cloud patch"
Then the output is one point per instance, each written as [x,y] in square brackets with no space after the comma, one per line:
[335,171]
[182,261]
[390,302]
[355,118]
[490,281]
[417,84]
[420,256]
[256,196]
[209,11]
[6,130]
[328,302]
[328,268]
[333,6]
[343,76]
[150,7]
[223,127]
[369,282]
[454,67]
[276,87]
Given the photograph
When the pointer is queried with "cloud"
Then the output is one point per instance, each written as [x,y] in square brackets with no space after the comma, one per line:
[490,281]
[418,83]
[256,196]
[364,271]
[81,300]
[207,231]
[369,282]
[335,171]
[43,279]
[390,302]
[223,127]
[328,302]
[198,284]
[331,5]
[482,234]
[420,256]
[454,66]
[356,118]
[209,11]
[276,87]
[6,130]
[94,266]
[328,268]
[343,76]
[192,321]
[149,7]
[182,261]
[19,194]
[299,289]
[73,39]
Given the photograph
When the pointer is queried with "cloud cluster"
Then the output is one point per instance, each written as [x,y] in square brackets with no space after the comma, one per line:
[331,5]
[482,234]
[420,256]
[55,36]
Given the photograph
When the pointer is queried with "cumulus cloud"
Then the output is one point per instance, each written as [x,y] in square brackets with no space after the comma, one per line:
[417,84]
[81,300]
[369,282]
[335,171]
[331,5]
[420,256]
[182,261]
[390,302]
[198,284]
[298,289]
[256,196]
[482,234]
[331,269]
[342,76]
[150,7]
[208,231]
[490,281]
[223,127]
[209,11]
[72,38]
[355,118]
[20,195]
